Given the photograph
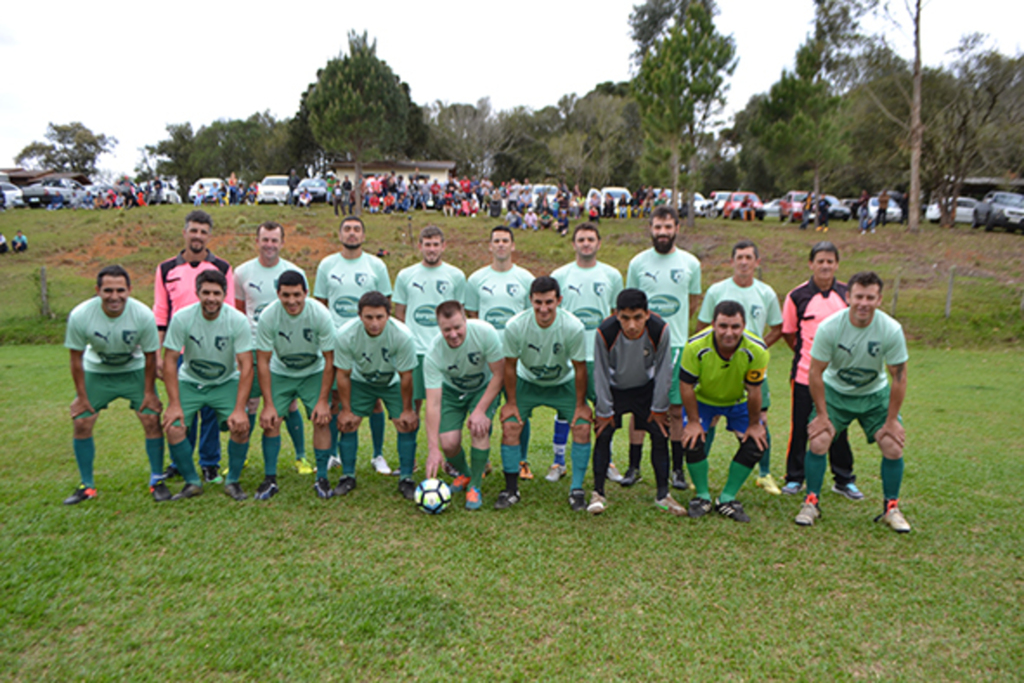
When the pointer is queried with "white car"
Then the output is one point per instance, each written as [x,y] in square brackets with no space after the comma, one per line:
[893,212]
[551,191]
[12,196]
[273,188]
[208,185]
[700,204]
[964,211]
[771,209]
[719,197]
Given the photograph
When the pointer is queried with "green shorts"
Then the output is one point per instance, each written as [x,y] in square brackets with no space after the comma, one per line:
[101,388]
[871,411]
[364,398]
[220,397]
[561,397]
[675,398]
[285,389]
[457,405]
[591,391]
[419,390]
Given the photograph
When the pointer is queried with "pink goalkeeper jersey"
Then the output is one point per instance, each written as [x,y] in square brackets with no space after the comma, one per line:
[804,309]
[175,285]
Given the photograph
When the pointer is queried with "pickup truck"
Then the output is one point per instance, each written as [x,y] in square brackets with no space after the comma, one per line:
[46,191]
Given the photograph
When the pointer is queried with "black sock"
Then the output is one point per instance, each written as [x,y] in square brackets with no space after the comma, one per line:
[677,455]
[272,478]
[512,482]
[662,492]
[636,454]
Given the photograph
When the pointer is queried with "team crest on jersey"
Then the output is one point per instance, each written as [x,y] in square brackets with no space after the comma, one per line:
[474,357]
[756,310]
[557,348]
[385,354]
[128,336]
[259,311]
[676,274]
[220,343]
[307,334]
[442,286]
[874,348]
[361,279]
[599,288]
[512,289]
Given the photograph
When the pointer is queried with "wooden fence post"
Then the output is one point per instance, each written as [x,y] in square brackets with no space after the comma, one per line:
[949,291]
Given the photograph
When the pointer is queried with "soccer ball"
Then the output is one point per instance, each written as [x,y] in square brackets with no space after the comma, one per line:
[433,496]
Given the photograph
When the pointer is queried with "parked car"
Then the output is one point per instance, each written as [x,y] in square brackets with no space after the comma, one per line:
[837,210]
[317,188]
[733,208]
[273,188]
[719,197]
[893,213]
[550,191]
[168,195]
[1003,209]
[964,211]
[208,185]
[46,192]
[700,204]
[13,198]
[791,208]
[771,209]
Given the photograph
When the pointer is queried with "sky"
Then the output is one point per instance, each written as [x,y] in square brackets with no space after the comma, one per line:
[129,72]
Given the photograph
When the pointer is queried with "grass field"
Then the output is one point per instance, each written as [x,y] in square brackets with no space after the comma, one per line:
[366,587]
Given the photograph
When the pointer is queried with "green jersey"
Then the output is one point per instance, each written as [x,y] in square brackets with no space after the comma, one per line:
[760,304]
[590,295]
[668,280]
[420,289]
[375,360]
[722,382]
[112,344]
[857,356]
[298,341]
[465,368]
[256,285]
[210,346]
[545,354]
[497,296]
[341,281]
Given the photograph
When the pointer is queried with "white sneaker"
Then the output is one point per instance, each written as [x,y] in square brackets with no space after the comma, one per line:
[333,462]
[895,519]
[380,465]
[613,473]
[555,472]
[598,503]
[809,512]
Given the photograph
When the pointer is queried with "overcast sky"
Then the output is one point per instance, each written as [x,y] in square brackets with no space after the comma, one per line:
[130,71]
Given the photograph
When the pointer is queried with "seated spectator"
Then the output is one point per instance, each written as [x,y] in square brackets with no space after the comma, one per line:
[3,242]
[374,202]
[530,220]
[474,206]
[623,207]
[546,219]
[514,220]
[305,198]
[57,203]
[19,243]
[563,223]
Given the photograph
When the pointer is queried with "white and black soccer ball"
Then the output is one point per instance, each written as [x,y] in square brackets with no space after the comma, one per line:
[433,496]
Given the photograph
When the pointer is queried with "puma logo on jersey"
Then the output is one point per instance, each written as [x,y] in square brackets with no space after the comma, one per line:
[489,290]
[258,288]
[849,351]
[453,366]
[651,275]
[367,358]
[288,337]
[197,341]
[339,278]
[104,337]
[535,348]
[419,287]
[575,289]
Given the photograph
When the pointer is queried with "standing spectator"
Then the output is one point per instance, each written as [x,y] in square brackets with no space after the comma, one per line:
[293,182]
[19,243]
[864,211]
[883,207]
[346,196]
[808,210]
[823,207]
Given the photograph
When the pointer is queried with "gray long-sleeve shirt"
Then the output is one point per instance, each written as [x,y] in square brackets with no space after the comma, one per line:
[631,363]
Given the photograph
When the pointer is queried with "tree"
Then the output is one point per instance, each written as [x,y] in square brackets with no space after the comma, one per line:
[681,86]
[174,155]
[72,148]
[465,134]
[358,107]
[652,20]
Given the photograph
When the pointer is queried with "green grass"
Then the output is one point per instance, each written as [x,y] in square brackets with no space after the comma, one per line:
[367,588]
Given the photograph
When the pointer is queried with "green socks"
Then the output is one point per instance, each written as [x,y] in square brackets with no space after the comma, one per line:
[709,439]
[478,458]
[85,454]
[155,454]
[271,451]
[814,472]
[348,445]
[892,477]
[765,466]
[377,433]
[510,458]
[699,475]
[406,453]
[737,475]
[524,443]
[322,457]
[580,459]
[181,456]
[236,458]
[297,433]
[459,462]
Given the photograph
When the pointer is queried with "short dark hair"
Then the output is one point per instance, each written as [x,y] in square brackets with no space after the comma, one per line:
[825,246]
[729,308]
[352,219]
[503,228]
[865,278]
[545,283]
[431,231]
[631,299]
[586,226]
[290,278]
[374,300]
[199,216]
[113,271]
[269,226]
[447,309]
[211,275]
[745,244]
[665,211]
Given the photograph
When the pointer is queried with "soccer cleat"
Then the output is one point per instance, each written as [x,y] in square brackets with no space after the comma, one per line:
[303,467]
[506,499]
[809,511]
[614,474]
[679,480]
[267,489]
[524,470]
[211,474]
[577,500]
[171,472]
[699,507]
[849,490]
[190,491]
[80,494]
[160,492]
[407,487]
[767,482]
[333,461]
[449,469]
[234,490]
[792,488]
[598,503]
[380,465]
[345,485]
[473,499]
[488,469]
[460,483]
[323,488]
[733,510]
[670,505]
[631,477]
[894,518]
[555,472]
